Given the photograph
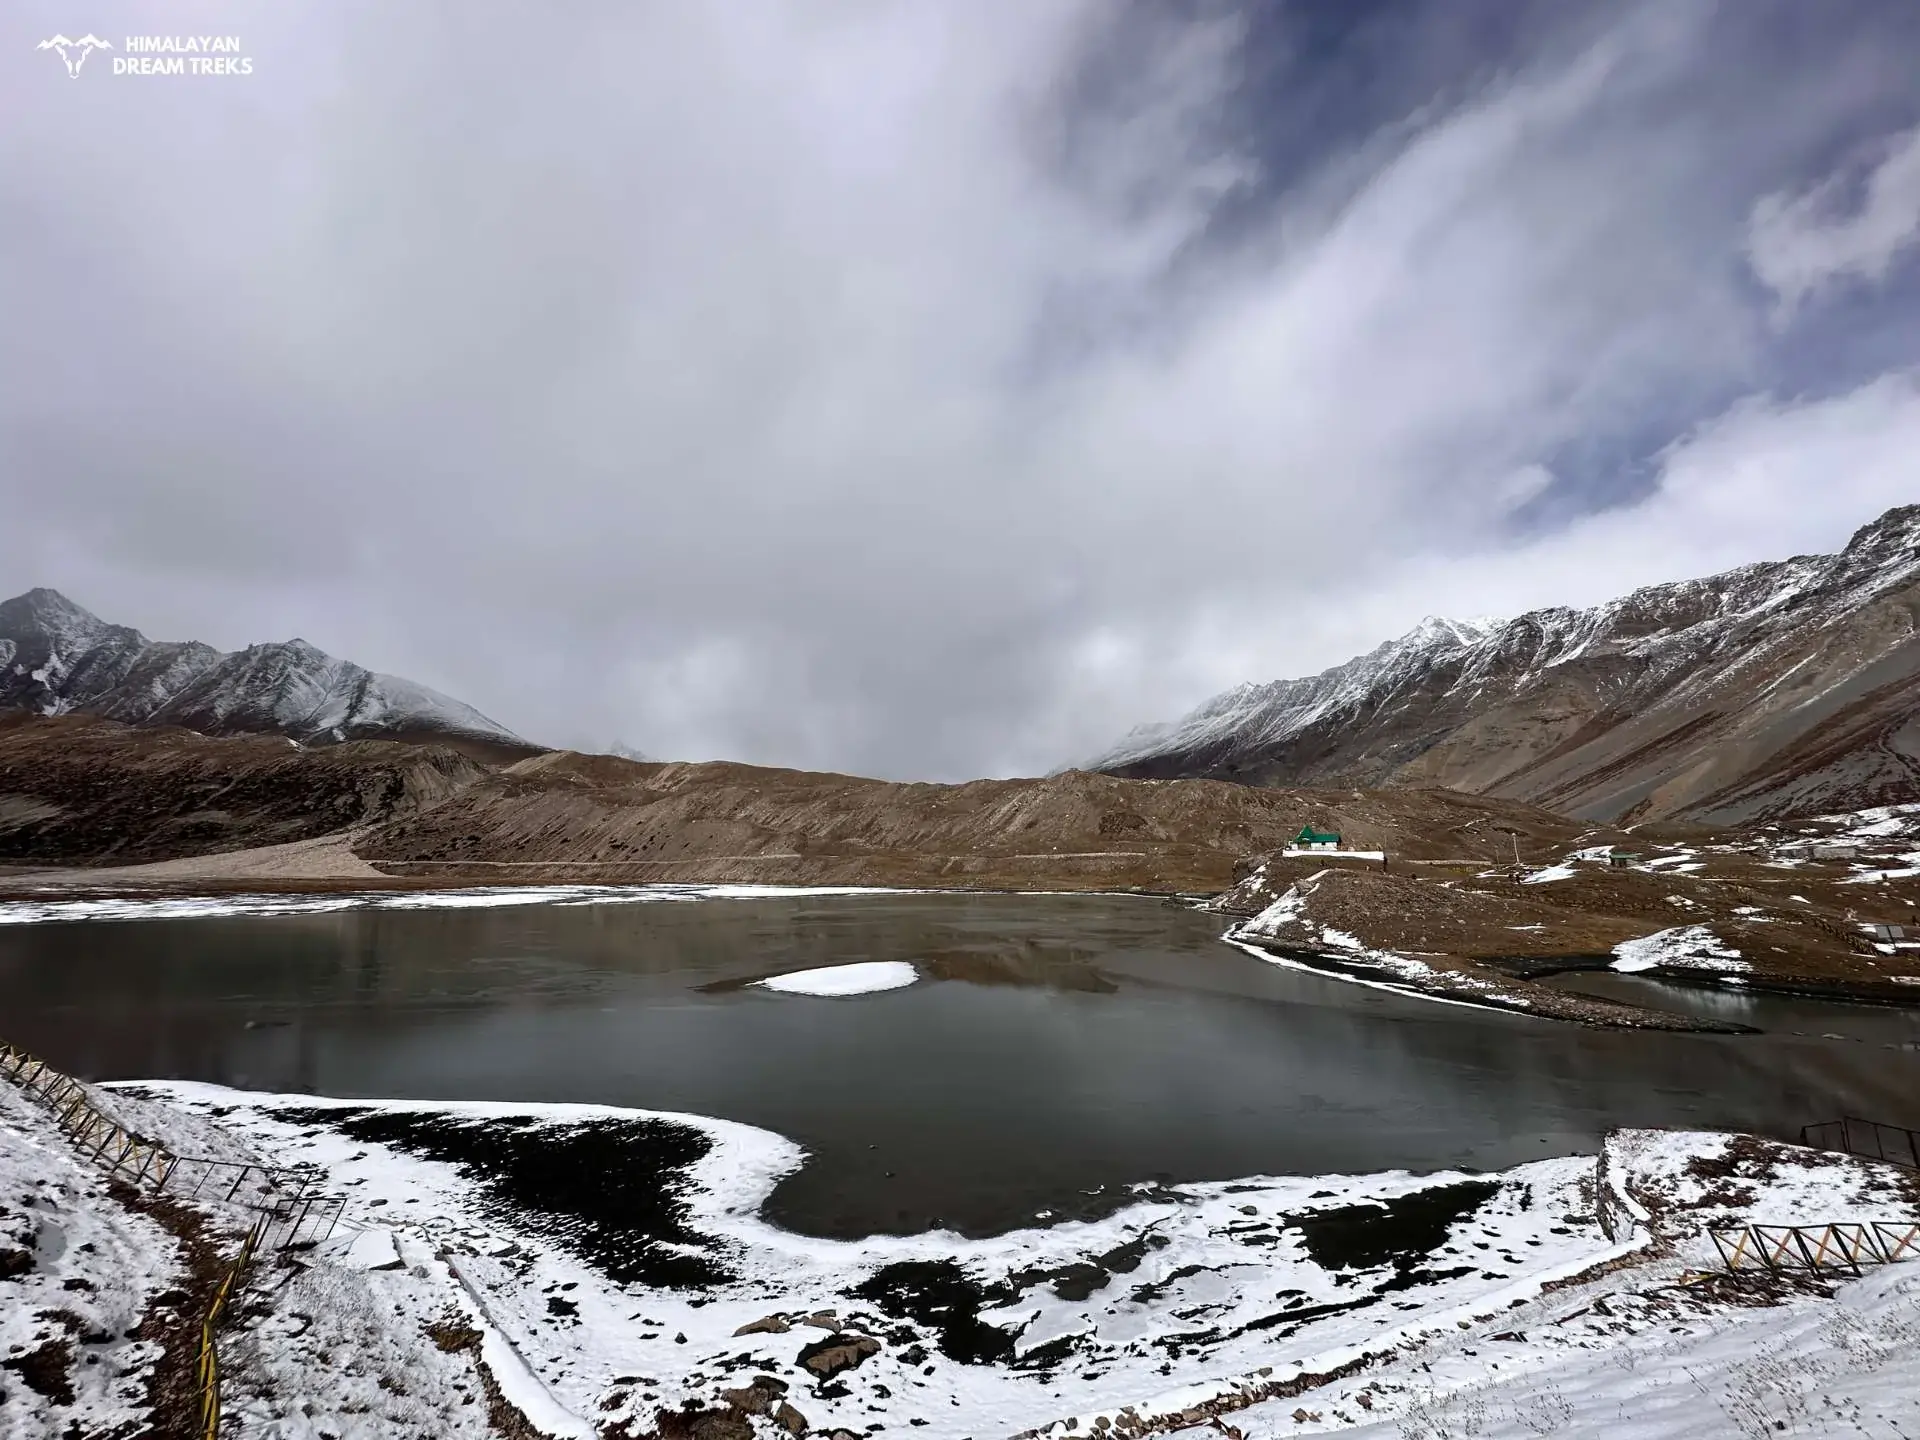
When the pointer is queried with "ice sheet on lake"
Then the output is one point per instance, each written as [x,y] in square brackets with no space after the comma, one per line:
[864,978]
[188,907]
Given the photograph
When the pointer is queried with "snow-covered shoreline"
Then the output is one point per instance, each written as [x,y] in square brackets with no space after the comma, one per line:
[1210,1256]
[475,897]
[605,1265]
[59,905]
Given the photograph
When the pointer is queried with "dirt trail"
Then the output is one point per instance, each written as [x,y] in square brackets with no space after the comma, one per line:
[325,857]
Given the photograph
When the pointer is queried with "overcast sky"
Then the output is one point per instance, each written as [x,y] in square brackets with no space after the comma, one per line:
[939,390]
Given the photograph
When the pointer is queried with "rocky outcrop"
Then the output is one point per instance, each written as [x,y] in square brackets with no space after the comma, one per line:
[1781,688]
[827,1358]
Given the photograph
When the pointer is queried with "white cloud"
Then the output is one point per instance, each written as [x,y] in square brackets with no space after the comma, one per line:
[1764,480]
[800,384]
[1799,243]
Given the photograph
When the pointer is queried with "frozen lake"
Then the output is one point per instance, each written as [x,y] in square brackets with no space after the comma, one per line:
[1050,1050]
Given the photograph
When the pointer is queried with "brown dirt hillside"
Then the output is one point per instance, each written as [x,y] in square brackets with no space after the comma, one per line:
[1793,923]
[568,816]
[77,790]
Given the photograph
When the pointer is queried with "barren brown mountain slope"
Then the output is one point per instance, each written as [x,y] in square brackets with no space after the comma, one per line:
[76,790]
[598,818]
[1744,912]
[79,790]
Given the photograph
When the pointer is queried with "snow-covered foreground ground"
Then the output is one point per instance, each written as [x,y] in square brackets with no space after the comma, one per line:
[1628,1360]
[605,1272]
[80,1275]
[1656,1350]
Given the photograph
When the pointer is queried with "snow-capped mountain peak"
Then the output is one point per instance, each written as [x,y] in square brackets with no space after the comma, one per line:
[1765,690]
[1283,707]
[57,656]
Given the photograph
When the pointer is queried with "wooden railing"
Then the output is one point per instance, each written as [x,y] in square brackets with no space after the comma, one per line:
[94,1134]
[289,1211]
[207,1371]
[1868,1139]
[1842,1245]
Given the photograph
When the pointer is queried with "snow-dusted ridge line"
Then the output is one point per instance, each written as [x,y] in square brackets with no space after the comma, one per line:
[1267,712]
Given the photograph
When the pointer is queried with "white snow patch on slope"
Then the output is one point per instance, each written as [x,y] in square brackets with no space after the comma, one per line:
[1691,947]
[1551,873]
[1286,920]
[865,978]
[1649,1369]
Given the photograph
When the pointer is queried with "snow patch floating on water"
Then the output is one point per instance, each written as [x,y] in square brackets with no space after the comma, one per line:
[862,979]
[196,907]
[1689,947]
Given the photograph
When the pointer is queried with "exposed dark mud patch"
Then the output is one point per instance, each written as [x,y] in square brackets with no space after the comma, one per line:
[613,1192]
[1399,1233]
[1079,1280]
[45,1370]
[1293,1319]
[940,1295]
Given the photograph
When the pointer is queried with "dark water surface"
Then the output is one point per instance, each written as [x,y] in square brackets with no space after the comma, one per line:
[1058,1046]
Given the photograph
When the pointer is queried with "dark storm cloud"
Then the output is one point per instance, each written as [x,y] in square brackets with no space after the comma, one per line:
[938,390]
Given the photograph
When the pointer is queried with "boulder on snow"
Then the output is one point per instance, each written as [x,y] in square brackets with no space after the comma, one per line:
[827,1358]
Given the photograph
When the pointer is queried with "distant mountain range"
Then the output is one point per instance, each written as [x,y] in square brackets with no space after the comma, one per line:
[56,657]
[1788,687]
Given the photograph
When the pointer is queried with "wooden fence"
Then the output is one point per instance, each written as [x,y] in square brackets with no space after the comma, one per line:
[1868,1139]
[1843,1245]
[290,1212]
[207,1372]
[94,1134]
[284,1195]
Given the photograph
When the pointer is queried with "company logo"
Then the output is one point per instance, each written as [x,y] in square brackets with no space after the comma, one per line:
[74,52]
[159,54]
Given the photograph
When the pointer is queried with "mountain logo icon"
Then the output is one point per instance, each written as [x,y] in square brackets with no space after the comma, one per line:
[74,52]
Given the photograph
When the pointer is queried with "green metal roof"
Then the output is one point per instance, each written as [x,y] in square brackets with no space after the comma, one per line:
[1310,836]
